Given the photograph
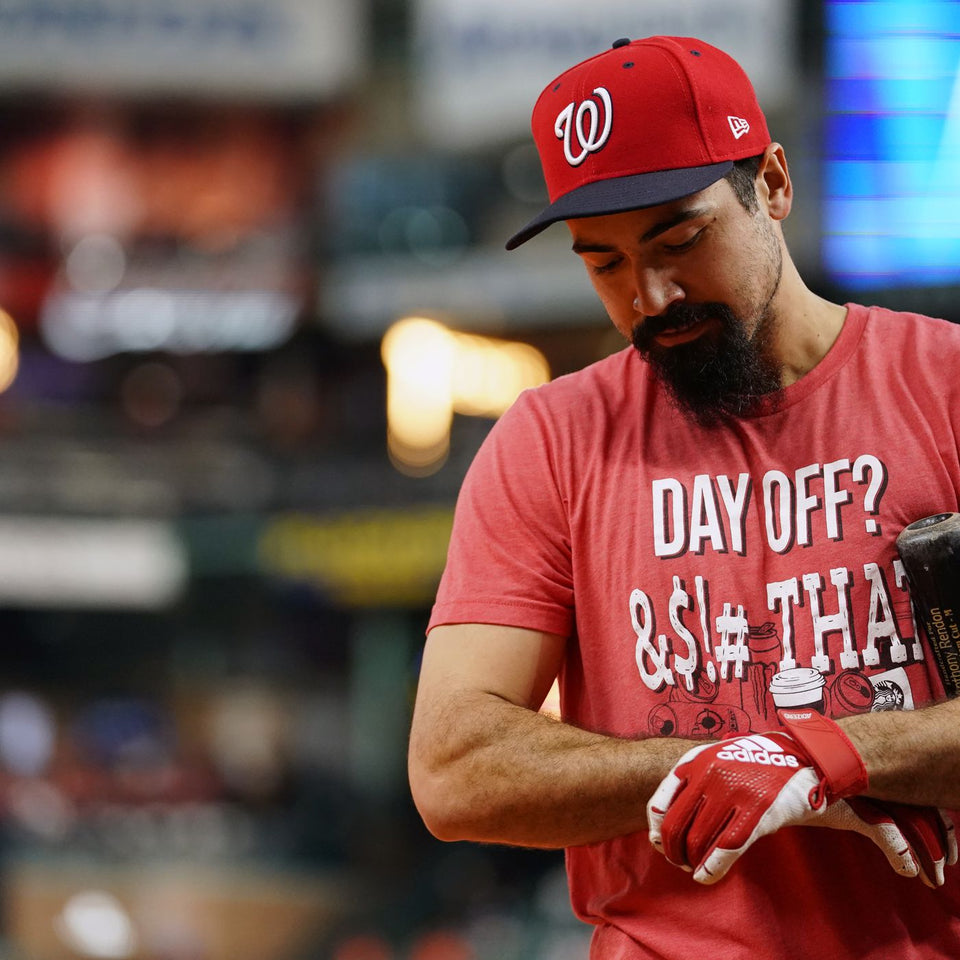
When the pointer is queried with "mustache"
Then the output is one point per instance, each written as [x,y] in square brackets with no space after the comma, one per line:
[679,315]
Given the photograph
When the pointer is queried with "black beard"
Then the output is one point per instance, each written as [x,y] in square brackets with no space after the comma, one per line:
[720,375]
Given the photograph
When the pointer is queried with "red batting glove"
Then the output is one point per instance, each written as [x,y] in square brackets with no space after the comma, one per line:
[720,798]
[917,841]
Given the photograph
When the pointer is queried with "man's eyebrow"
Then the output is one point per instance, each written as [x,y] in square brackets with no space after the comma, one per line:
[682,216]
[579,247]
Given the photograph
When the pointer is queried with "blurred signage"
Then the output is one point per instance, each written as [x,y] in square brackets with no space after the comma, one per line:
[891,201]
[173,229]
[85,327]
[482,63]
[362,558]
[122,564]
[269,48]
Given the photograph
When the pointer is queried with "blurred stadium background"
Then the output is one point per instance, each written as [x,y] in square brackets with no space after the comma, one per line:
[255,319]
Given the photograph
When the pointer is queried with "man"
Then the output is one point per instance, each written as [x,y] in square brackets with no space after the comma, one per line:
[697,535]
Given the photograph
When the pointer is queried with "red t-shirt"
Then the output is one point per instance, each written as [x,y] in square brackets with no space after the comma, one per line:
[689,567]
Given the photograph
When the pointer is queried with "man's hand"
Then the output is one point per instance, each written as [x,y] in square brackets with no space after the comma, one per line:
[721,797]
[917,841]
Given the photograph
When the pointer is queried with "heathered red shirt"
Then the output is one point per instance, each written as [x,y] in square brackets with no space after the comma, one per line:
[689,566]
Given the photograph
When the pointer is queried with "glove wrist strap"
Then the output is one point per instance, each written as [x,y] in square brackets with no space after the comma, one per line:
[829,748]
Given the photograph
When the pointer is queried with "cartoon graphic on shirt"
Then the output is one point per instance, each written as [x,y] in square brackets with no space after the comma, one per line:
[714,668]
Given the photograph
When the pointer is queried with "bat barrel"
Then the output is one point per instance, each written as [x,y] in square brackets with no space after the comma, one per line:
[930,551]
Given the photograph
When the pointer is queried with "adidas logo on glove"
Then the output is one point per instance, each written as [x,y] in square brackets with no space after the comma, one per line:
[760,750]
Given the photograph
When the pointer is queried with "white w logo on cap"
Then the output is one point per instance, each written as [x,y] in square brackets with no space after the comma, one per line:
[591,138]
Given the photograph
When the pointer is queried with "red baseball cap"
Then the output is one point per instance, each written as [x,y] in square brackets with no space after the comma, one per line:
[643,123]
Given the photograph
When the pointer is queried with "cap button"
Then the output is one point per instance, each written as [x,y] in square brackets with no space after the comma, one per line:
[622,42]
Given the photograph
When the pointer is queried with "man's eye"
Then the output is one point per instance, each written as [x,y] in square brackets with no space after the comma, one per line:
[686,245]
[605,267]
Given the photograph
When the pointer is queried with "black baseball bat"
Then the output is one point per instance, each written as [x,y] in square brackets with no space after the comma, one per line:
[930,551]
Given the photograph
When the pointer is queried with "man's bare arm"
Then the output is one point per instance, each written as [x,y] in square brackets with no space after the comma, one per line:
[486,766]
[912,756]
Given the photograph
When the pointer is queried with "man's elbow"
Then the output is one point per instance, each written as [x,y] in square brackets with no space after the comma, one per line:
[440,802]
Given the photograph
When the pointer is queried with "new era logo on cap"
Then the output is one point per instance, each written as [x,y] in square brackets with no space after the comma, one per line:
[738,126]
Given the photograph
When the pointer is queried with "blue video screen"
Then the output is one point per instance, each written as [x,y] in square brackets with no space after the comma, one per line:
[891,169]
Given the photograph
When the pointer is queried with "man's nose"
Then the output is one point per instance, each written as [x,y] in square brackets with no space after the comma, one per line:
[655,292]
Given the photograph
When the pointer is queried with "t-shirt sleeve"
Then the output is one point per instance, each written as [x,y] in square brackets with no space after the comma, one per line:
[509,558]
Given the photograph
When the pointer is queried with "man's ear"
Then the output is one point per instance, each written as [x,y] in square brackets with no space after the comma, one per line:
[774,187]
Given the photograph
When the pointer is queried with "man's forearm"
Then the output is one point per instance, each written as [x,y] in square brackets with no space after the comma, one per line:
[912,756]
[518,777]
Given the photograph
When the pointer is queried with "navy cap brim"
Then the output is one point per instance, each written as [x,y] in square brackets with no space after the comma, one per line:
[619,194]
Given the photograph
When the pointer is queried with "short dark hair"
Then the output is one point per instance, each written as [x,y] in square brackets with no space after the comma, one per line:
[743,180]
